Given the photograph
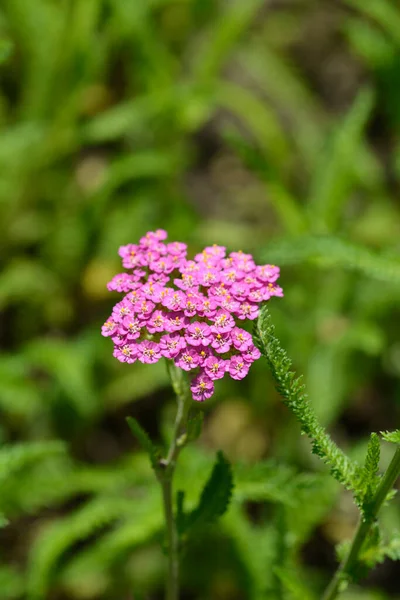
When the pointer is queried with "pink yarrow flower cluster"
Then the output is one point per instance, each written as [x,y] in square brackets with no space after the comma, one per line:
[188,311]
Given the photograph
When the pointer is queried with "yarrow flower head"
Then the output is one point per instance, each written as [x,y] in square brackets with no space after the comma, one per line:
[188,311]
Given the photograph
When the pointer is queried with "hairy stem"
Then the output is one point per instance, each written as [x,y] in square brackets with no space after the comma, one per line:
[172,582]
[165,476]
[345,568]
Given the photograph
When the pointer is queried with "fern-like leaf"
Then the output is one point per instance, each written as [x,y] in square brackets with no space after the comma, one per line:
[391,436]
[329,251]
[55,541]
[392,549]
[144,440]
[334,176]
[216,494]
[16,457]
[376,551]
[369,479]
[294,396]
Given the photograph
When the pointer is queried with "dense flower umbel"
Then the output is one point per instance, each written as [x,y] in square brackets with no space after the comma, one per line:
[188,310]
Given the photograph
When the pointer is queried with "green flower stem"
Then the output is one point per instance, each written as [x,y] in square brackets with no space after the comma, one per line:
[172,582]
[345,568]
[165,476]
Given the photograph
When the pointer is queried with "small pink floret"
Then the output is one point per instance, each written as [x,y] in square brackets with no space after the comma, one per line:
[238,367]
[198,334]
[215,367]
[126,353]
[172,344]
[202,388]
[148,352]
[187,359]
[109,328]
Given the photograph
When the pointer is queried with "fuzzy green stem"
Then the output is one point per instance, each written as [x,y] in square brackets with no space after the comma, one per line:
[344,570]
[165,477]
[172,582]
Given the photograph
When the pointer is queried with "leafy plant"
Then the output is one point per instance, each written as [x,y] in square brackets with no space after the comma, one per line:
[370,490]
[271,127]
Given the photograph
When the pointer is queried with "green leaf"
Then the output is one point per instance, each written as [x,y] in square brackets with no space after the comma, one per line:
[329,251]
[20,395]
[55,540]
[259,119]
[265,481]
[370,43]
[223,36]
[293,584]
[141,165]
[23,275]
[256,546]
[16,457]
[69,364]
[115,545]
[376,550]
[295,398]
[335,174]
[391,436]
[216,494]
[255,159]
[372,460]
[278,81]
[392,549]
[144,440]
[384,13]
[131,116]
[369,474]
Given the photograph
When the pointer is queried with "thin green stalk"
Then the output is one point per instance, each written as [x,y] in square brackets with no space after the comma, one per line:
[172,583]
[345,568]
[178,439]
[165,477]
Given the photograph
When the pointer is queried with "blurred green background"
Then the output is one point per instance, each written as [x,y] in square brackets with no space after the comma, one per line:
[263,125]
